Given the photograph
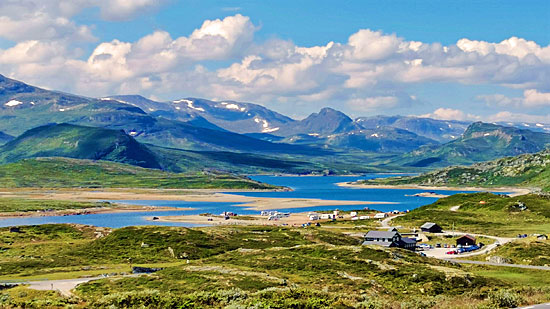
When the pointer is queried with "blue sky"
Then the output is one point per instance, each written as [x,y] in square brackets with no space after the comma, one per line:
[486,60]
[311,23]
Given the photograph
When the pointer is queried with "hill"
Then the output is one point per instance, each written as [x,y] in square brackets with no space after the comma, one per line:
[242,267]
[439,130]
[233,116]
[79,142]
[74,173]
[327,121]
[485,213]
[27,107]
[527,170]
[480,142]
[379,140]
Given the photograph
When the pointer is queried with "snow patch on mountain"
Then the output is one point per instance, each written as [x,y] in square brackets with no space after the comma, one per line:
[111,99]
[189,104]
[233,106]
[13,103]
[269,130]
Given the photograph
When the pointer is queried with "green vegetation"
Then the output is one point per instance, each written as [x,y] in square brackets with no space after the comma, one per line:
[528,170]
[72,173]
[71,141]
[21,204]
[485,213]
[261,267]
[527,251]
[480,142]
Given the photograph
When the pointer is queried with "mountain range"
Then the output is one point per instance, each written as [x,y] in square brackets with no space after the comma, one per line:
[193,133]
[480,142]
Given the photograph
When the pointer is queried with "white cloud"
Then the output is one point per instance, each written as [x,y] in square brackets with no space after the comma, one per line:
[518,117]
[449,114]
[532,98]
[373,103]
[24,20]
[368,72]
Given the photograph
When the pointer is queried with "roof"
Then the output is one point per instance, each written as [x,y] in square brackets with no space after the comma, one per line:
[381,234]
[467,236]
[408,240]
[428,225]
[379,243]
[392,229]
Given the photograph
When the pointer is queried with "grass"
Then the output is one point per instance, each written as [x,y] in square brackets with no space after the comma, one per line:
[527,170]
[72,173]
[21,204]
[245,266]
[525,251]
[497,215]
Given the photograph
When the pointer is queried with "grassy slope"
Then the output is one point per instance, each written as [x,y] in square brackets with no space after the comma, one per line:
[79,142]
[527,170]
[269,267]
[72,173]
[528,251]
[497,216]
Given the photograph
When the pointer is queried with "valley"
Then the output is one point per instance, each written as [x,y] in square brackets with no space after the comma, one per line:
[124,201]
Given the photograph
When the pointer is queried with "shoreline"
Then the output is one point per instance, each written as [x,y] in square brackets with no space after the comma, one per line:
[118,196]
[121,208]
[514,190]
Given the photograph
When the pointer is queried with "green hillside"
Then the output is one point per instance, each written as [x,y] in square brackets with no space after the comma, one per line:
[242,267]
[73,173]
[485,213]
[527,170]
[66,140]
[480,142]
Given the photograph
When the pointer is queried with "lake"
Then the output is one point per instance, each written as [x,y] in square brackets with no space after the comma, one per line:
[303,187]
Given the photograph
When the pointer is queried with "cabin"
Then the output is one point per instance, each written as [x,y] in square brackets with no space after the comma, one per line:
[407,243]
[430,227]
[389,239]
[380,215]
[466,240]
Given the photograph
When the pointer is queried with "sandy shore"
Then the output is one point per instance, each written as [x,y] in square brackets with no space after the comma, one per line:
[513,190]
[251,203]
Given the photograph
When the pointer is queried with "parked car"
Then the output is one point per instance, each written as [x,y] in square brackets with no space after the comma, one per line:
[438,245]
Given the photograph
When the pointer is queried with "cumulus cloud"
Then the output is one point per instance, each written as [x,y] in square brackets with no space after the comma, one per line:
[449,114]
[368,72]
[23,20]
[531,99]
[373,103]
[518,117]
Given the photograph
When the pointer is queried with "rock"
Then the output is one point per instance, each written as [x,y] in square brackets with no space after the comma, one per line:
[497,259]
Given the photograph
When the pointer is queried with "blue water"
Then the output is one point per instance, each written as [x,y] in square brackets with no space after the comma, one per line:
[303,187]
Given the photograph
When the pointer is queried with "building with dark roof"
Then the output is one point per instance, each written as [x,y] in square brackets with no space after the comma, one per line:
[466,240]
[431,227]
[389,239]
